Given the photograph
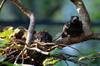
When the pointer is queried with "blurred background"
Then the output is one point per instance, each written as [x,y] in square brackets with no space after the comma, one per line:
[50,15]
[49,12]
[58,10]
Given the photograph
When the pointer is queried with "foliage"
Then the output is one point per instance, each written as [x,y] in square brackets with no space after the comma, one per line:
[6,64]
[50,61]
[9,46]
[6,33]
[92,58]
[5,43]
[57,56]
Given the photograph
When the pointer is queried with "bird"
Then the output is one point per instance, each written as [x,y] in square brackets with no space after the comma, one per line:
[73,29]
[43,36]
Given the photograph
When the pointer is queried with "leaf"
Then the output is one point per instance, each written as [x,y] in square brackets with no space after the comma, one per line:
[56,51]
[2,58]
[6,33]
[89,57]
[6,64]
[3,42]
[50,61]
[82,58]
[1,51]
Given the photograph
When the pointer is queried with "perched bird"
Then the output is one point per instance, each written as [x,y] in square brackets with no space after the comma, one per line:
[43,36]
[73,29]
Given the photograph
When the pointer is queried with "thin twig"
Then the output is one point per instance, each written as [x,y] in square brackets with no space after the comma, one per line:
[43,43]
[38,50]
[57,37]
[22,61]
[20,54]
[11,53]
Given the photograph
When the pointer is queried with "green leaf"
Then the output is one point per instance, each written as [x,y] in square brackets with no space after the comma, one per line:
[6,64]
[50,61]
[17,64]
[3,42]
[89,56]
[56,51]
[6,33]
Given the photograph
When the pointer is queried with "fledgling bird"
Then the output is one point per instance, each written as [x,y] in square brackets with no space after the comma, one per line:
[43,36]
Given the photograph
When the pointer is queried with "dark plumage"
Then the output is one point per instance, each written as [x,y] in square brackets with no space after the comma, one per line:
[74,28]
[43,36]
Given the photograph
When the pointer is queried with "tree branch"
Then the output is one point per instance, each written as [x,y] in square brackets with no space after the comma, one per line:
[2,3]
[85,20]
[86,25]
[19,55]
[96,36]
[83,15]
[38,50]
[30,16]
[73,40]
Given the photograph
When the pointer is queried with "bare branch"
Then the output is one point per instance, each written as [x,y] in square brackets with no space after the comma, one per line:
[96,36]
[30,16]
[43,43]
[2,3]
[20,54]
[38,50]
[73,40]
[83,15]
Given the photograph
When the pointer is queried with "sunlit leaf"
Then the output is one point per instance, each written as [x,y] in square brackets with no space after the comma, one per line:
[82,58]
[3,42]
[1,51]
[50,61]
[6,33]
